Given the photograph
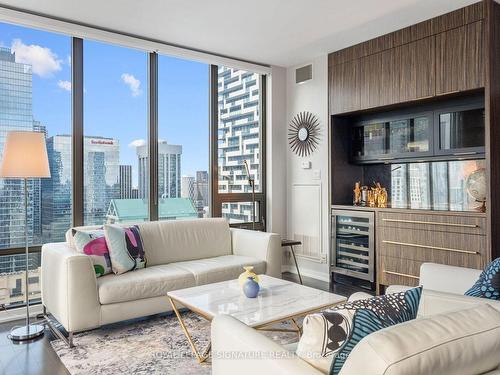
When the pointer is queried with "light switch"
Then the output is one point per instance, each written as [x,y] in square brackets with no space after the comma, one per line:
[306,164]
[316,174]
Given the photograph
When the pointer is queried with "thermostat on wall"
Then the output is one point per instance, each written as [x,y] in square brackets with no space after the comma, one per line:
[306,165]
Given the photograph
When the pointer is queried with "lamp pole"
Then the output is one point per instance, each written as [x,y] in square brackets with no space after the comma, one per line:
[251,182]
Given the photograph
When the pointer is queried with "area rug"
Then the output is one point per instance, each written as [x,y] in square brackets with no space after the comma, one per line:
[152,346]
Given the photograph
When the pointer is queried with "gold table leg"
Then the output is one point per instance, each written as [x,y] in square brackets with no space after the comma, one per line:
[206,353]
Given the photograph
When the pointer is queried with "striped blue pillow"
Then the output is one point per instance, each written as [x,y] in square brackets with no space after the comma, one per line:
[376,314]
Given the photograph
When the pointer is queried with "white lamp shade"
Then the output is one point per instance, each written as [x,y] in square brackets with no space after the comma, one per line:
[25,156]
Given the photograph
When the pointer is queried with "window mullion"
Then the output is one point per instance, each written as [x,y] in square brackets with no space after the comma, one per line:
[153,135]
[77,124]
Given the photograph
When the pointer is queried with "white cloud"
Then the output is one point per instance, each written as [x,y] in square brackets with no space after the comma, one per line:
[65,85]
[133,83]
[43,61]
[137,143]
[68,60]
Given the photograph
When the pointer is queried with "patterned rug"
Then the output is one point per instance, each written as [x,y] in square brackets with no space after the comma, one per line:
[151,346]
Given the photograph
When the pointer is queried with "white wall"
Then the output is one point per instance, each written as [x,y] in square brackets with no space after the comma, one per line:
[276,151]
[307,211]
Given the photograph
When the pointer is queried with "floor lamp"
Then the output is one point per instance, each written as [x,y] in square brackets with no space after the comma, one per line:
[251,182]
[25,156]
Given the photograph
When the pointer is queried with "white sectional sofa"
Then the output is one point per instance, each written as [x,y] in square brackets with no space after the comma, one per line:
[179,254]
[453,334]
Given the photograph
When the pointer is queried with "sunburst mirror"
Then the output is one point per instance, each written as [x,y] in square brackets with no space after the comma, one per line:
[303,133]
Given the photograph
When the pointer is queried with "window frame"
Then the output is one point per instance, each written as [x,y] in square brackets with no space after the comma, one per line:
[216,199]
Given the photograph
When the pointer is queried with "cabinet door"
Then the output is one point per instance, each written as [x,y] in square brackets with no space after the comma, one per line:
[379,79]
[344,87]
[459,59]
[417,73]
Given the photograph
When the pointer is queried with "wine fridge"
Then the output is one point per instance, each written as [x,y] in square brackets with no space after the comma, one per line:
[353,244]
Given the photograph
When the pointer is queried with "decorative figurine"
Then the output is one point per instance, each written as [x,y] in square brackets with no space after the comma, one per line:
[372,197]
[382,198]
[364,196]
[357,194]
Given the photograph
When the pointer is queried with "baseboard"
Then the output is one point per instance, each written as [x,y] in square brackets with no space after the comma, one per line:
[19,313]
[307,273]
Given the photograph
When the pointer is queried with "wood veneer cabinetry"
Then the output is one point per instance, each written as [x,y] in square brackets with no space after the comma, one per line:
[406,240]
[439,56]
[460,59]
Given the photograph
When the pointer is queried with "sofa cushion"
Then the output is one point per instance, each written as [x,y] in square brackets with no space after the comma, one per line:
[329,336]
[181,240]
[148,282]
[461,342]
[125,248]
[226,267]
[93,243]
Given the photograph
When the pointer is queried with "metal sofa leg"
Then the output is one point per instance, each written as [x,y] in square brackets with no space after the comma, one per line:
[68,340]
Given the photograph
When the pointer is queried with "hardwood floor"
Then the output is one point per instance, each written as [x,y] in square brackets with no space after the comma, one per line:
[38,357]
[35,358]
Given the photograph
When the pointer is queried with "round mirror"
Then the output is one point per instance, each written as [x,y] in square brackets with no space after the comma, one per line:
[303,134]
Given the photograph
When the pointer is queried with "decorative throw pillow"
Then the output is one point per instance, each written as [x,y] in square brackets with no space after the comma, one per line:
[125,248]
[328,337]
[93,244]
[488,284]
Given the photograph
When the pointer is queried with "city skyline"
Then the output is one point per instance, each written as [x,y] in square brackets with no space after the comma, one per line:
[115,78]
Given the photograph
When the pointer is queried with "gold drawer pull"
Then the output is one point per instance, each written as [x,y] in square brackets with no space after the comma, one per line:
[432,223]
[431,247]
[401,274]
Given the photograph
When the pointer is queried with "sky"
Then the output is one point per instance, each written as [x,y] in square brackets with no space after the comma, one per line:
[115,93]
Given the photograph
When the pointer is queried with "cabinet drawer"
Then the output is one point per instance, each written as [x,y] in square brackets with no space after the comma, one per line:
[458,249]
[398,271]
[472,224]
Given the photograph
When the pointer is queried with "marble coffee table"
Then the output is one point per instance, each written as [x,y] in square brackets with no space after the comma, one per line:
[278,301]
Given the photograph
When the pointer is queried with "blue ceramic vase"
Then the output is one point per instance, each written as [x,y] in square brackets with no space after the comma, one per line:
[251,288]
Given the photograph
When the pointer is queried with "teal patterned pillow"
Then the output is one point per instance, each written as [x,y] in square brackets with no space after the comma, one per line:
[372,315]
[488,284]
[125,246]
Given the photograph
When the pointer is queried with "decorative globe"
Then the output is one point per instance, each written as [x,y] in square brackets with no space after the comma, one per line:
[476,185]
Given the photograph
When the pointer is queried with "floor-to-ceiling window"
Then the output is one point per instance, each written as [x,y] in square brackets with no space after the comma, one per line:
[183,139]
[239,140]
[115,150]
[35,95]
[208,121]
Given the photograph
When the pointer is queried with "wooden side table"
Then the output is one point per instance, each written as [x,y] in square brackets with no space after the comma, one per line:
[293,243]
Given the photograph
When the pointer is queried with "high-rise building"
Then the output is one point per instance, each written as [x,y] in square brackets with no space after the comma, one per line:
[239,137]
[169,170]
[16,114]
[125,181]
[101,183]
[202,186]
[56,190]
[188,187]
[135,193]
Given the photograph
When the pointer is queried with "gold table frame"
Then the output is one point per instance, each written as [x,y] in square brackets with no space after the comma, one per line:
[202,357]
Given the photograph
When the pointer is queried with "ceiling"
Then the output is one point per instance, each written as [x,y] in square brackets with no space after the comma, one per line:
[277,32]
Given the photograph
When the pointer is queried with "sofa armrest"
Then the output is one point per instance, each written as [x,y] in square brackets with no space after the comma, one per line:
[392,289]
[239,349]
[447,279]
[260,245]
[434,302]
[69,287]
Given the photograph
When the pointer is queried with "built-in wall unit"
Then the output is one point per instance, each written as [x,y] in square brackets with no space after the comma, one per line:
[414,122]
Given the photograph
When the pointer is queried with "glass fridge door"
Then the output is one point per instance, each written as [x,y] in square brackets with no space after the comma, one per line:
[352,244]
